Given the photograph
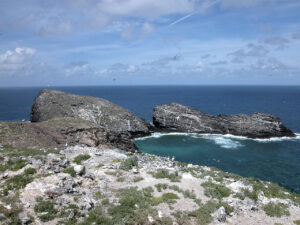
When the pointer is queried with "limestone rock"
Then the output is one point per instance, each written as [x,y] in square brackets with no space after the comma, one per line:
[221,215]
[180,118]
[79,169]
[50,104]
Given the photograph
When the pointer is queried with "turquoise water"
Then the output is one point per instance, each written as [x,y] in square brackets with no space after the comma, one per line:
[271,160]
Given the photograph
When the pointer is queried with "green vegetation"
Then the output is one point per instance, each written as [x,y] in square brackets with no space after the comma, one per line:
[100,165]
[272,190]
[13,165]
[25,152]
[215,190]
[203,213]
[127,164]
[120,179]
[160,186]
[30,171]
[276,210]
[167,197]
[98,195]
[70,171]
[297,222]
[137,179]
[163,173]
[78,159]
[12,213]
[46,207]
[116,160]
[17,182]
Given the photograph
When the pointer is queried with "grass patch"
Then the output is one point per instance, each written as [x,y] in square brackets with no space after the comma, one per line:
[80,158]
[159,187]
[163,173]
[30,171]
[120,179]
[127,164]
[25,152]
[215,190]
[46,207]
[100,165]
[137,179]
[17,182]
[13,165]
[276,210]
[70,171]
[167,198]
[116,160]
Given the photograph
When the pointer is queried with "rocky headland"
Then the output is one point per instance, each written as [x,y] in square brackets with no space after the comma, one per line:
[180,118]
[76,163]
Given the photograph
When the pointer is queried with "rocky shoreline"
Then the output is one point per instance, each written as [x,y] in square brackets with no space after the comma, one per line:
[76,163]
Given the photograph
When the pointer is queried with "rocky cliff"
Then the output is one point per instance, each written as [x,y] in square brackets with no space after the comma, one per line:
[51,104]
[177,117]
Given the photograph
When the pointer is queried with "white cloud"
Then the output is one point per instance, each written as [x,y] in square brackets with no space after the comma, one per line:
[251,50]
[17,62]
[199,67]
[296,36]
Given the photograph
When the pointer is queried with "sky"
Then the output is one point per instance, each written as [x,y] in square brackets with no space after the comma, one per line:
[149,42]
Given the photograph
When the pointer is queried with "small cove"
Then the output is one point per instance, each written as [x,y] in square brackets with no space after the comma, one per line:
[272,159]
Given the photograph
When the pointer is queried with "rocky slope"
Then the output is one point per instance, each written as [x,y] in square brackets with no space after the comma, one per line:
[177,117]
[51,104]
[88,185]
[61,132]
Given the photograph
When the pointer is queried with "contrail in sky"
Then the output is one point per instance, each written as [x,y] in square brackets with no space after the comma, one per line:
[204,7]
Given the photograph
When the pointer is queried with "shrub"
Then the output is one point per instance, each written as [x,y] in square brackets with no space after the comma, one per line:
[30,171]
[276,210]
[215,190]
[137,179]
[163,173]
[70,171]
[127,164]
[78,159]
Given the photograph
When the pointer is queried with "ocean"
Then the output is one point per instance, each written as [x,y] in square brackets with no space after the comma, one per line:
[276,159]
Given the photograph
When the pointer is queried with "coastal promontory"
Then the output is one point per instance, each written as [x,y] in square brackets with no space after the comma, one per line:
[180,118]
[50,104]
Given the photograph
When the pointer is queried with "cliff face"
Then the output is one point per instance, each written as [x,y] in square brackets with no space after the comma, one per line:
[177,117]
[51,104]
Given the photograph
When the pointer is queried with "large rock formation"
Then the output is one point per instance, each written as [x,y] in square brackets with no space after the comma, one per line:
[176,117]
[60,132]
[51,104]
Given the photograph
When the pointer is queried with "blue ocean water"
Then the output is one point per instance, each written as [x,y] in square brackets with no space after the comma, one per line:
[277,160]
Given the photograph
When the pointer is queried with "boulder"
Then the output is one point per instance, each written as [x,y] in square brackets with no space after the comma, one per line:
[180,118]
[50,104]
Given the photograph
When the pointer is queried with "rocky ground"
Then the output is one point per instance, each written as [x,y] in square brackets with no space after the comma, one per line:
[97,185]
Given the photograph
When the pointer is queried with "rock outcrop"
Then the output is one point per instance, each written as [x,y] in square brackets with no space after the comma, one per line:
[180,118]
[50,104]
[60,132]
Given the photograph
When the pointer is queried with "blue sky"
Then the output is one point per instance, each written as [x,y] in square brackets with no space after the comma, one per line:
[149,42]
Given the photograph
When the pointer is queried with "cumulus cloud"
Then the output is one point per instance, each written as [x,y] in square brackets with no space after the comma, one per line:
[278,42]
[19,61]
[164,61]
